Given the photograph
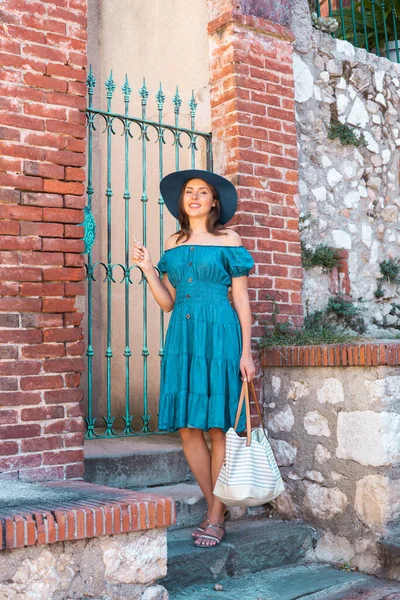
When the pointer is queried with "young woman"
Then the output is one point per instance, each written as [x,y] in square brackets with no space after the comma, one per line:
[207,350]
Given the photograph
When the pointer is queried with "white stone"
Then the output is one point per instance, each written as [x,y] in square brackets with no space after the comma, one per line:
[303,189]
[377,501]
[379,75]
[141,558]
[275,384]
[348,169]
[326,161]
[358,115]
[284,452]
[390,214]
[341,84]
[332,391]
[323,502]
[380,98]
[362,190]
[303,80]
[395,81]
[342,103]
[324,75]
[334,549]
[316,424]
[366,234]
[384,390]
[337,476]
[298,390]
[352,228]
[345,49]
[319,194]
[351,199]
[368,437]
[315,476]
[321,454]
[317,93]
[386,154]
[359,157]
[372,144]
[341,239]
[155,592]
[282,421]
[334,177]
[375,247]
[376,119]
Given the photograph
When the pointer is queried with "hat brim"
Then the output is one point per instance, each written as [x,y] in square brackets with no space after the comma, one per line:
[171,186]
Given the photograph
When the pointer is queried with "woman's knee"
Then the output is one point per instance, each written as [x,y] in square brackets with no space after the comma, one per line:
[216,435]
[188,434]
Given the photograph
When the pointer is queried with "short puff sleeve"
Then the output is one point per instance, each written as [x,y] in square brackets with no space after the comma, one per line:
[240,261]
[162,264]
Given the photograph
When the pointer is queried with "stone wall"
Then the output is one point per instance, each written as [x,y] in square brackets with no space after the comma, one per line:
[117,567]
[350,194]
[335,433]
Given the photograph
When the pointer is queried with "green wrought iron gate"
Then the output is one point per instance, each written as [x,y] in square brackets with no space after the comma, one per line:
[106,277]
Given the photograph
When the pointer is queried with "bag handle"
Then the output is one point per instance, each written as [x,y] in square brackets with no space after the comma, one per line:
[244,397]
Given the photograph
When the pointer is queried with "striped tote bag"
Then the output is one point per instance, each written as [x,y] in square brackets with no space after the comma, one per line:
[250,475]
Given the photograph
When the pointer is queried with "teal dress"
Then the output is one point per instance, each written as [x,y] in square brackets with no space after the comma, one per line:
[200,369]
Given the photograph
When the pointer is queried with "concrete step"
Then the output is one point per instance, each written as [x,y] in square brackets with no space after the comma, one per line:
[135,462]
[389,551]
[308,582]
[249,546]
[191,507]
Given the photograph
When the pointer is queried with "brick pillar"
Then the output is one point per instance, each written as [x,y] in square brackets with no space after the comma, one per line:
[42,149]
[254,137]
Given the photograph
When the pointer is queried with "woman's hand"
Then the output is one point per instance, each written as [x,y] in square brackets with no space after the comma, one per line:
[141,257]
[247,367]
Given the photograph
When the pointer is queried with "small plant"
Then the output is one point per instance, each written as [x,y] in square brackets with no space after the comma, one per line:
[346,312]
[390,269]
[306,222]
[323,256]
[345,134]
[379,292]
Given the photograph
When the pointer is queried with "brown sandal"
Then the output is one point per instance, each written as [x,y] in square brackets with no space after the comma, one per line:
[199,530]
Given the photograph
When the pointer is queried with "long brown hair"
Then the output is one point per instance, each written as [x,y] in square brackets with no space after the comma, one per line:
[212,224]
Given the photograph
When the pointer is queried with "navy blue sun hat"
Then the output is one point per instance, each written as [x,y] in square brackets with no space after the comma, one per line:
[171,186]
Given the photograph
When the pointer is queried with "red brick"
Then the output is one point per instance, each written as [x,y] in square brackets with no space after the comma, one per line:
[9,288]
[32,21]
[19,431]
[73,102]
[43,351]
[53,140]
[75,289]
[68,128]
[20,336]
[74,174]
[75,471]
[74,440]
[45,82]
[75,348]
[42,443]
[63,456]
[22,121]
[9,228]
[19,243]
[59,274]
[63,396]
[59,55]
[8,448]
[19,398]
[47,200]
[42,289]
[64,425]
[75,410]
[65,72]
[41,413]
[42,382]
[21,304]
[8,417]
[74,260]
[41,320]
[73,319]
[43,170]
[64,365]
[72,379]
[20,213]
[70,334]
[55,305]
[62,157]
[63,245]
[62,215]
[42,258]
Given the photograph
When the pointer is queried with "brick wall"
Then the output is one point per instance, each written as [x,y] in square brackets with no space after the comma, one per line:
[42,149]
[254,136]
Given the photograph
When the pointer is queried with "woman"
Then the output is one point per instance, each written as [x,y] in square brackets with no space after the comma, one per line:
[207,345]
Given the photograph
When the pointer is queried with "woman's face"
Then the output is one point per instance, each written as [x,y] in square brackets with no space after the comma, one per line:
[197,199]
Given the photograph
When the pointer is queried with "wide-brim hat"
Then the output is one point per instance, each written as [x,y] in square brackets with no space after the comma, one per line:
[171,186]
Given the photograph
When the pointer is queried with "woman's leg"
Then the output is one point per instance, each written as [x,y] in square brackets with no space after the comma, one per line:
[198,457]
[217,508]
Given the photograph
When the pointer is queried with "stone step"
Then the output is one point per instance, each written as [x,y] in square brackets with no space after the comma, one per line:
[135,462]
[389,550]
[308,582]
[191,507]
[249,546]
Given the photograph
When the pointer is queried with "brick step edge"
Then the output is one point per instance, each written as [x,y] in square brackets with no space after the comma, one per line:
[333,355]
[102,511]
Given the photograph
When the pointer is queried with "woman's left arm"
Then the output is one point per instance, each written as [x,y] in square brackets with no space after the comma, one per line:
[241,303]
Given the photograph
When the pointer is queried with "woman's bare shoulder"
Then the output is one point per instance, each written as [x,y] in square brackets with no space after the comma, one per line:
[171,241]
[232,238]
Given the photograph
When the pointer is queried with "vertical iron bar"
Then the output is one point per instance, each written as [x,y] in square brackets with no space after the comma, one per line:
[383,8]
[330,8]
[110,86]
[364,26]
[160,97]
[177,101]
[342,19]
[377,50]
[353,18]
[91,82]
[318,8]
[145,351]
[126,89]
[193,106]
[394,17]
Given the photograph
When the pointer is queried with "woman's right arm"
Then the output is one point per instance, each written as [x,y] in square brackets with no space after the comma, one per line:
[163,292]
